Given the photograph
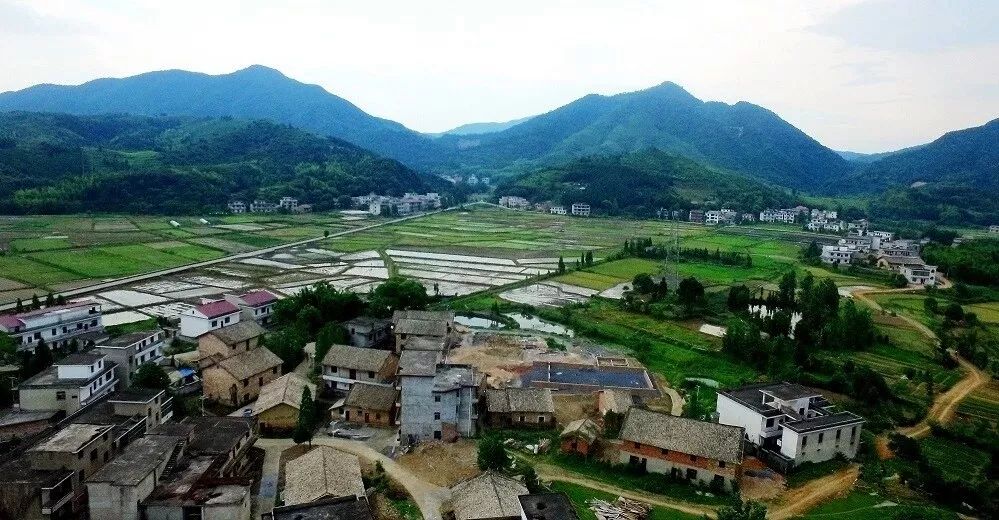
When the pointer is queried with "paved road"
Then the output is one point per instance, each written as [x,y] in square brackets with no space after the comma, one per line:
[428,497]
[239,256]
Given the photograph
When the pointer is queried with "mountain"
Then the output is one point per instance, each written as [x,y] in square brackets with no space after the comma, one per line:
[482,128]
[743,137]
[642,182]
[953,179]
[867,158]
[61,163]
[256,92]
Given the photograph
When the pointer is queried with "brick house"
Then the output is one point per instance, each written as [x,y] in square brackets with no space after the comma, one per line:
[237,380]
[228,341]
[344,365]
[520,407]
[373,405]
[279,402]
[580,437]
[702,452]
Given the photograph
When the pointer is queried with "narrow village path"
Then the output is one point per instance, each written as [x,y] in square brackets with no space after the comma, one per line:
[799,500]
[551,472]
[428,497]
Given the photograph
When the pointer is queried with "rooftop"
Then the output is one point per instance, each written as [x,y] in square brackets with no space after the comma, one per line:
[489,495]
[258,298]
[357,358]
[286,389]
[79,358]
[752,396]
[128,339]
[507,400]
[418,363]
[250,363]
[323,472]
[217,308]
[368,321]
[371,397]
[139,459]
[72,438]
[451,377]
[421,327]
[135,394]
[49,378]
[547,506]
[12,320]
[342,508]
[823,422]
[584,429]
[693,437]
[238,332]
[424,343]
[422,315]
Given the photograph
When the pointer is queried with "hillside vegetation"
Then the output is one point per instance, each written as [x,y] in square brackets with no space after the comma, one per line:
[57,163]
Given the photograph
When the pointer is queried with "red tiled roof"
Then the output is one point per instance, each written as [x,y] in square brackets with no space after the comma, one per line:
[216,309]
[10,321]
[15,320]
[258,298]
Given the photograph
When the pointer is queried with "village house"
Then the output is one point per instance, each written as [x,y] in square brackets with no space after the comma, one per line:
[489,496]
[208,480]
[791,422]
[408,204]
[342,508]
[432,325]
[617,401]
[237,380]
[580,437]
[437,401]
[712,217]
[23,423]
[839,255]
[372,405]
[236,207]
[557,210]
[69,384]
[994,228]
[345,365]
[510,201]
[322,473]
[580,209]
[695,215]
[289,204]
[700,452]
[255,305]
[116,489]
[262,206]
[784,216]
[279,403]
[512,407]
[152,406]
[915,271]
[130,351]
[57,326]
[367,332]
[226,342]
[81,449]
[197,321]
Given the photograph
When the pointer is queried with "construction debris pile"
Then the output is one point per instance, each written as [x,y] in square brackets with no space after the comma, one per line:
[622,509]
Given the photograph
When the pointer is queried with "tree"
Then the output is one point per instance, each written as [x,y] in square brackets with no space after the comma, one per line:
[787,288]
[396,294]
[812,253]
[50,300]
[61,300]
[954,312]
[643,283]
[751,510]
[151,375]
[561,265]
[35,304]
[492,455]
[531,480]
[931,306]
[306,425]
[738,298]
[689,291]
[19,306]
[326,233]
[589,258]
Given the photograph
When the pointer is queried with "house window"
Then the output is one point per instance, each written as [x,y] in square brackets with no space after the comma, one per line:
[274,370]
[246,383]
[437,398]
[541,419]
[371,375]
[664,451]
[227,318]
[61,395]
[804,441]
[691,474]
[821,435]
[693,458]
[853,434]
[260,381]
[721,463]
[215,323]
[770,423]
[636,445]
[437,416]
[437,435]
[93,455]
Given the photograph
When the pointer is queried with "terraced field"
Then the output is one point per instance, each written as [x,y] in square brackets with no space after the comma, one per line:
[955,460]
[982,404]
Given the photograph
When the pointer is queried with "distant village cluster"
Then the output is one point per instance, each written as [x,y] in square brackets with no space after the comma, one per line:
[286,204]
[882,248]
[577,209]
[408,204]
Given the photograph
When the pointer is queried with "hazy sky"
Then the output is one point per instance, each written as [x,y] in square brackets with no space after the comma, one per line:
[858,75]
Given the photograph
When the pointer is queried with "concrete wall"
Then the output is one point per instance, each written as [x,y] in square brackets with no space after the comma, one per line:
[121,502]
[733,413]
[795,445]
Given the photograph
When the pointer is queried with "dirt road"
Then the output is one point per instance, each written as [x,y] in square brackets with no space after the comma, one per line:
[799,500]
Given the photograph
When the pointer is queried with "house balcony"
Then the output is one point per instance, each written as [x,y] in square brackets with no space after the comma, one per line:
[56,497]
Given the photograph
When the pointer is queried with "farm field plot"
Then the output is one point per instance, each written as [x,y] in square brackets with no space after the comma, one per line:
[866,504]
[910,305]
[987,312]
[982,404]
[955,460]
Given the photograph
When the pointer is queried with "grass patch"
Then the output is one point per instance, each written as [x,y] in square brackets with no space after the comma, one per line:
[955,460]
[33,273]
[579,495]
[864,504]
[812,470]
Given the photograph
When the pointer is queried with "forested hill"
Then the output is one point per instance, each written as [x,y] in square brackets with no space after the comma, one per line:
[59,163]
[256,92]
[953,179]
[640,183]
[743,137]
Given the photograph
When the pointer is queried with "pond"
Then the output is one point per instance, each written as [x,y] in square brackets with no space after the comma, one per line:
[540,325]
[478,322]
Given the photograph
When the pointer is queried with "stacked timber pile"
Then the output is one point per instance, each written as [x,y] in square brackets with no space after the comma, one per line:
[622,509]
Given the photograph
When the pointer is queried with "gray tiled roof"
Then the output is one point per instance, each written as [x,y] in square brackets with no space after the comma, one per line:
[358,358]
[421,327]
[418,363]
[251,363]
[238,332]
[321,473]
[489,495]
[693,437]
[535,400]
[371,397]
[137,461]
[583,428]
[423,315]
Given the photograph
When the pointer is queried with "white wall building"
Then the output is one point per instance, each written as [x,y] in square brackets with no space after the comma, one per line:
[836,255]
[256,305]
[130,351]
[580,209]
[198,321]
[69,384]
[56,325]
[511,201]
[791,422]
[557,210]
